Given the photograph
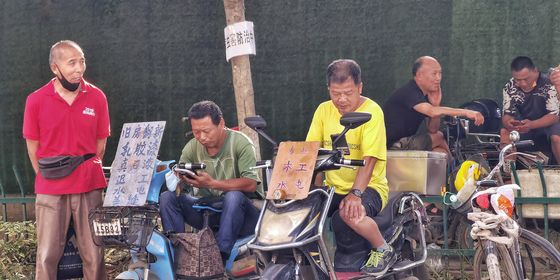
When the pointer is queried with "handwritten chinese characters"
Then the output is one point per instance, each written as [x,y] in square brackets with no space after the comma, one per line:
[239,39]
[132,169]
[293,169]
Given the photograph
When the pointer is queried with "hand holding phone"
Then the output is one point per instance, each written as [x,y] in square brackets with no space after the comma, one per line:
[188,169]
[516,123]
[186,172]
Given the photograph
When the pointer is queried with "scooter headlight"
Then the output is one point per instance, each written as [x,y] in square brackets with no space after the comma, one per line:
[279,228]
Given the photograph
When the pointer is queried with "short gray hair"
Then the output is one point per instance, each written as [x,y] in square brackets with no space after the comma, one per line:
[55,49]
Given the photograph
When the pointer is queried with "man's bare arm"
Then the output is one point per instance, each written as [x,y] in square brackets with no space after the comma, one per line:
[32,147]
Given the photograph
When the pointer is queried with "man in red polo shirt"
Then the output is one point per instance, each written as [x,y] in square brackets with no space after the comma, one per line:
[67,116]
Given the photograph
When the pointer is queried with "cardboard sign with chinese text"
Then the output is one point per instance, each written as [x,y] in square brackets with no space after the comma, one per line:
[293,169]
[133,167]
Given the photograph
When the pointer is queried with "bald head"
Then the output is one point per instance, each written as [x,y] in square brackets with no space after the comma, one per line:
[419,61]
[427,74]
[60,47]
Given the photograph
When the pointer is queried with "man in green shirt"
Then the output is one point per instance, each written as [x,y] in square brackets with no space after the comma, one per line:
[229,156]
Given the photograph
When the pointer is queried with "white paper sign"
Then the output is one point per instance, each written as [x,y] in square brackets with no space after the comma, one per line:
[133,167]
[240,39]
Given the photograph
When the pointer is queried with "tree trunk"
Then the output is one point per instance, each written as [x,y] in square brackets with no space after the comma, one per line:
[241,70]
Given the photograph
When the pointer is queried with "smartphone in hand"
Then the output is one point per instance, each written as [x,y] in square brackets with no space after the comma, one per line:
[189,169]
[185,172]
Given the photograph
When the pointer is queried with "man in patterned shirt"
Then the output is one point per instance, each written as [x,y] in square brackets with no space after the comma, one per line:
[530,104]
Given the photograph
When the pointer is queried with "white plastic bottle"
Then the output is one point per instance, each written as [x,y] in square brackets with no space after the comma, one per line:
[465,193]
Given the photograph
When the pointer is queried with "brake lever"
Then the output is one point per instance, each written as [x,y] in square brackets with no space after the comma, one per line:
[529,156]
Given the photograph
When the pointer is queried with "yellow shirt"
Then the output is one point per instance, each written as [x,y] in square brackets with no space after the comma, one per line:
[366,140]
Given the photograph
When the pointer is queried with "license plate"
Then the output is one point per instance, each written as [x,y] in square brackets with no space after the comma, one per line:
[107,228]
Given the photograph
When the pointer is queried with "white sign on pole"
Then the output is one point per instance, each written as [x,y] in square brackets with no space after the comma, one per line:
[133,167]
[239,39]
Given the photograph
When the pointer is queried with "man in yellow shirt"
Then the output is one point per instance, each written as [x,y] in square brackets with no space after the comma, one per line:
[362,193]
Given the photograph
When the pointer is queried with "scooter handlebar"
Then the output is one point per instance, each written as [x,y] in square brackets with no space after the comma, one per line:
[524,144]
[188,169]
[262,162]
[191,166]
[352,162]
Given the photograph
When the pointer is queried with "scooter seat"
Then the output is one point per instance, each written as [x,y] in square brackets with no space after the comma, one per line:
[210,203]
[386,217]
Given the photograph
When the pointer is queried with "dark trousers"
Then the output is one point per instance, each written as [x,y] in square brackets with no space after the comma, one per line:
[238,218]
[345,236]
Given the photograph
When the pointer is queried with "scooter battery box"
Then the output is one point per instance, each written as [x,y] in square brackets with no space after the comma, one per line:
[422,172]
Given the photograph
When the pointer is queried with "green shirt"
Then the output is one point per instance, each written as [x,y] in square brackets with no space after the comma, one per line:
[234,160]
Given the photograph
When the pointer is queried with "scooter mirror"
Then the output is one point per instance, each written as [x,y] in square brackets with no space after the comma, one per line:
[258,124]
[255,122]
[354,119]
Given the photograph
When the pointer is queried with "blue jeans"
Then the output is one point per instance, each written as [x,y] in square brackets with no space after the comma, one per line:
[238,218]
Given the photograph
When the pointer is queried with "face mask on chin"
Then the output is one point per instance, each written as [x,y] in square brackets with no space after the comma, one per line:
[66,84]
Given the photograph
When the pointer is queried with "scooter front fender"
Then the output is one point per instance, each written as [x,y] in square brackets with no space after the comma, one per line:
[284,271]
[162,249]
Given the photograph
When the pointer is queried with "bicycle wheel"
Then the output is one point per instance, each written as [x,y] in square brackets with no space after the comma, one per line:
[540,259]
[502,261]
[462,232]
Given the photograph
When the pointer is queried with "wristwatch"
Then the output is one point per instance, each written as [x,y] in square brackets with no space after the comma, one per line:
[357,192]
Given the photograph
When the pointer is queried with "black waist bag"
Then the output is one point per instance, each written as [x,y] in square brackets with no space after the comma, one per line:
[60,166]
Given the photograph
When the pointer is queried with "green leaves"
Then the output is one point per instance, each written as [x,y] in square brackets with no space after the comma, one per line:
[18,248]
[18,244]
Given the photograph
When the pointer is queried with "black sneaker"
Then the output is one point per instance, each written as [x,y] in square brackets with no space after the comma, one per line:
[378,263]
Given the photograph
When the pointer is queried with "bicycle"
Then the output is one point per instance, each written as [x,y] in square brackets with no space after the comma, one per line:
[466,142]
[504,250]
[465,139]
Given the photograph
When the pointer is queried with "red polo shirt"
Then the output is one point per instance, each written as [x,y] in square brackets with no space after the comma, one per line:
[63,129]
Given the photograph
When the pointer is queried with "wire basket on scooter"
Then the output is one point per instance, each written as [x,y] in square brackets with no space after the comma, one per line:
[123,226]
